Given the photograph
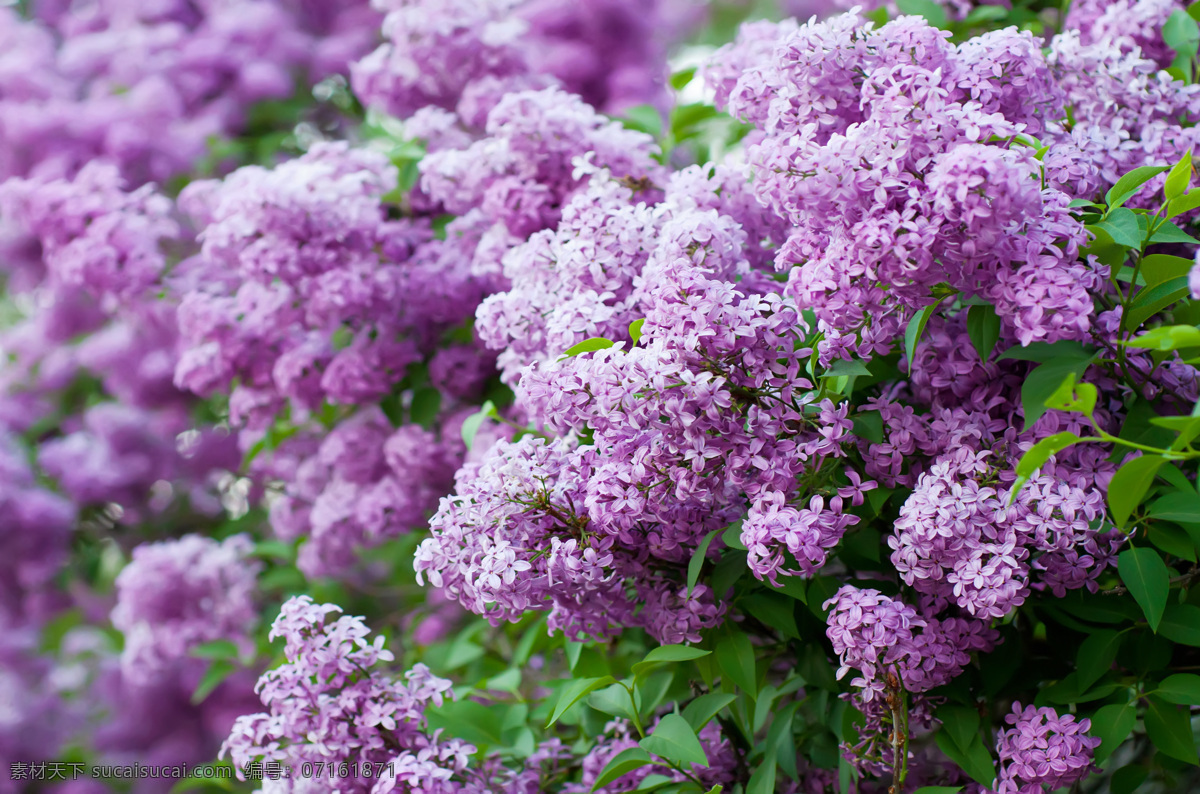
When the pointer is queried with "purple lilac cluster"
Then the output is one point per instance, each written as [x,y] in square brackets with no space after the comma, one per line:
[465,55]
[332,702]
[363,483]
[878,144]
[176,595]
[1043,750]
[144,86]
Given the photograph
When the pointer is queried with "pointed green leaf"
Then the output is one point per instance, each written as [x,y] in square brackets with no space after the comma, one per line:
[667,654]
[704,708]
[622,764]
[735,657]
[1181,688]
[1181,624]
[674,740]
[1129,184]
[1096,656]
[635,330]
[1129,485]
[1170,730]
[1181,173]
[1148,579]
[916,326]
[588,345]
[574,691]
[1112,725]
[213,677]
[983,327]
[696,564]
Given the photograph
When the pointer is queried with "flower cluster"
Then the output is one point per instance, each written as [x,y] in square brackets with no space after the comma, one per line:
[331,703]
[1043,749]
[179,594]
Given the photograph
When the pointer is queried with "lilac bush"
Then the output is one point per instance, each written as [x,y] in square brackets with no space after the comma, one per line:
[515,396]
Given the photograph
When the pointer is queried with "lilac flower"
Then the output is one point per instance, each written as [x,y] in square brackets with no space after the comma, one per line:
[1042,750]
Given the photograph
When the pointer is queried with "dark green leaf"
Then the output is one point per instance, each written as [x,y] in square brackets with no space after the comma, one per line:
[763,779]
[983,324]
[674,740]
[976,761]
[696,564]
[1181,688]
[916,326]
[1126,779]
[426,403]
[1129,485]
[735,657]
[1170,730]
[1045,352]
[1096,656]
[1148,580]
[960,724]
[1152,300]
[1112,725]
[1176,506]
[1181,623]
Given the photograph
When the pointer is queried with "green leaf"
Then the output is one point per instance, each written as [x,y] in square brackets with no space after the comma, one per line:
[648,119]
[574,691]
[1176,506]
[1129,485]
[1167,337]
[471,425]
[1181,623]
[1072,396]
[1170,730]
[763,779]
[732,537]
[674,740]
[588,345]
[1037,455]
[426,403]
[868,425]
[1123,227]
[1126,779]
[851,367]
[1185,203]
[1180,33]
[975,760]
[1168,232]
[217,649]
[216,673]
[681,78]
[1044,381]
[774,610]
[1112,725]
[983,324]
[934,14]
[1096,656]
[735,657]
[1150,301]
[614,700]
[667,654]
[1148,580]
[960,724]
[1160,268]
[696,564]
[635,330]
[1129,184]
[916,326]
[1181,688]
[622,764]
[984,14]
[704,708]
[1181,173]
[1045,352]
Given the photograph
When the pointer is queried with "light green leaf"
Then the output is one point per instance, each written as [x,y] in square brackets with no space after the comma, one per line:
[1037,455]
[217,649]
[1181,173]
[667,654]
[1123,227]
[1160,268]
[1130,183]
[1167,337]
[588,345]
[674,740]
[213,677]
[574,691]
[622,764]
[471,425]
[635,330]
[1148,580]
[704,708]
